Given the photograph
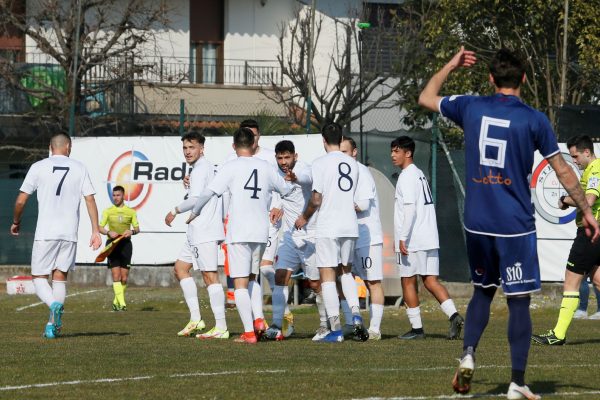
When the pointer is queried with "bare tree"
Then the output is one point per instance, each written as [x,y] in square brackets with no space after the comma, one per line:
[111,34]
[389,54]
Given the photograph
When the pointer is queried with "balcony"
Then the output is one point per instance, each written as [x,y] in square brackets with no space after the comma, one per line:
[129,84]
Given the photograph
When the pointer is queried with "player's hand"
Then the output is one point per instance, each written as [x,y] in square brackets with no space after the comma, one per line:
[169,218]
[591,226]
[275,215]
[464,58]
[112,234]
[191,218]
[186,181]
[127,233]
[290,176]
[95,241]
[300,222]
[403,248]
[14,229]
[561,204]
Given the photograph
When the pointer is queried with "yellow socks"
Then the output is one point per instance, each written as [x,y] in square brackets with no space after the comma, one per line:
[568,306]
[119,293]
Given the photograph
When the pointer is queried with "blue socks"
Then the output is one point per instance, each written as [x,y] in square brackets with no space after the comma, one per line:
[478,315]
[519,336]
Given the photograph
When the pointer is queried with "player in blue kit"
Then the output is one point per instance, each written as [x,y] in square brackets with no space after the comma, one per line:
[501,136]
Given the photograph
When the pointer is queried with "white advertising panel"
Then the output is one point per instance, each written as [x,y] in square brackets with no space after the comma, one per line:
[556,228]
[151,169]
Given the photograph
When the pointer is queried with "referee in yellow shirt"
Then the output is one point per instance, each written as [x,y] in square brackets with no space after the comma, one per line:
[121,221]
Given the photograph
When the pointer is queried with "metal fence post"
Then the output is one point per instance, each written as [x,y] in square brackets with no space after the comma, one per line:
[245,73]
[434,139]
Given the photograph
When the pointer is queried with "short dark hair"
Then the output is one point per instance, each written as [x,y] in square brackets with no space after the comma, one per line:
[249,123]
[285,146]
[507,69]
[194,135]
[119,188]
[59,139]
[349,139]
[404,143]
[332,133]
[243,138]
[581,143]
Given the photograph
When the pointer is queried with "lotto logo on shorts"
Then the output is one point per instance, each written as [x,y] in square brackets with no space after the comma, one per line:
[123,172]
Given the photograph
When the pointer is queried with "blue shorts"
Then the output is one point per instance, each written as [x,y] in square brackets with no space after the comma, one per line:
[510,262]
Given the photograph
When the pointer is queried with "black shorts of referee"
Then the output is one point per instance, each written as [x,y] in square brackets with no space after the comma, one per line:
[121,255]
[584,255]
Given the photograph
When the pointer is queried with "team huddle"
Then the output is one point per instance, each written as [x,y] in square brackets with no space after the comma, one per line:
[276,214]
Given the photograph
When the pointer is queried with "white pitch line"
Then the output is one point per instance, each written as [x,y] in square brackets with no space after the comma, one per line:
[69,295]
[134,378]
[479,396]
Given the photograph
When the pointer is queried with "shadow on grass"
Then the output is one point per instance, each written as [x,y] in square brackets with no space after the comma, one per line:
[91,334]
[149,309]
[582,342]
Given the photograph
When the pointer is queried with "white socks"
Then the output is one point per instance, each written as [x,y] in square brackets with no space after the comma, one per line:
[347,312]
[376,316]
[321,309]
[217,304]
[279,300]
[242,302]
[448,308]
[414,316]
[332,304]
[190,293]
[59,291]
[43,290]
[256,299]
[350,291]
[268,271]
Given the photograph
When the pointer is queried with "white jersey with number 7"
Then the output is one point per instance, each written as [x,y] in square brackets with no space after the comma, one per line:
[60,183]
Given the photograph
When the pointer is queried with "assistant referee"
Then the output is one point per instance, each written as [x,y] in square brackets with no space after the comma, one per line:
[121,221]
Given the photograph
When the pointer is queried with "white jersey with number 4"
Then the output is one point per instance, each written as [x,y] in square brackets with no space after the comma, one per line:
[335,176]
[250,182]
[208,226]
[369,222]
[412,188]
[60,183]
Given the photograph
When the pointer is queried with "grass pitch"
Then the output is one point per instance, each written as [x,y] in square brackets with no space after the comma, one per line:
[137,355]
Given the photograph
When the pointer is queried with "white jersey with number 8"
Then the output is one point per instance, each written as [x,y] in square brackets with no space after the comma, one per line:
[335,176]
[60,183]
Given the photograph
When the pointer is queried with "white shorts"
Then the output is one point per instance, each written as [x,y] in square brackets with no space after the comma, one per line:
[272,244]
[203,256]
[425,262]
[334,251]
[244,258]
[48,255]
[296,252]
[368,262]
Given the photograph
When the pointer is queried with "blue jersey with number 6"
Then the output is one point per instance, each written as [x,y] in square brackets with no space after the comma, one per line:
[501,136]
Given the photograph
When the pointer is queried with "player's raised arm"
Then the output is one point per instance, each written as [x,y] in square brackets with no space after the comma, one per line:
[430,97]
[90,203]
[570,182]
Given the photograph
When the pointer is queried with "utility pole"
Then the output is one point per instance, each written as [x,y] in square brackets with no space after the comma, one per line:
[563,77]
[310,64]
[75,70]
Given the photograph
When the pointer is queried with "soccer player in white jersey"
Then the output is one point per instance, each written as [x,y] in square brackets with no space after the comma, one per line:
[250,182]
[334,183]
[60,183]
[201,248]
[416,241]
[368,252]
[297,247]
